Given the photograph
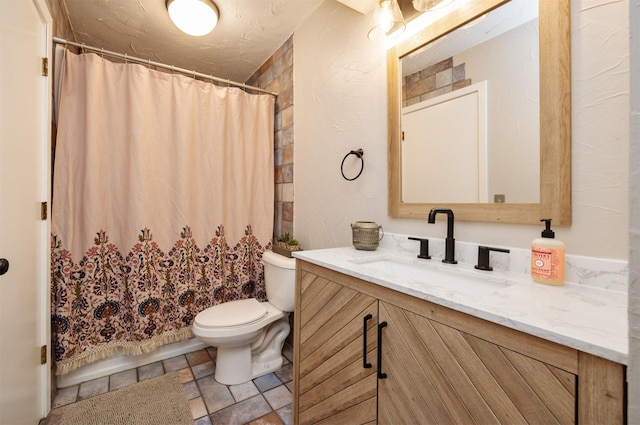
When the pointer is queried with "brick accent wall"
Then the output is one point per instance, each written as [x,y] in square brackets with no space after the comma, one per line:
[433,81]
[276,75]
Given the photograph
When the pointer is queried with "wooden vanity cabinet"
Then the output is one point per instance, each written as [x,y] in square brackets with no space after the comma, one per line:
[330,325]
[437,365]
[437,374]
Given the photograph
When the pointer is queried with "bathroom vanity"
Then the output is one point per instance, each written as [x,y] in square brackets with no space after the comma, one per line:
[383,337]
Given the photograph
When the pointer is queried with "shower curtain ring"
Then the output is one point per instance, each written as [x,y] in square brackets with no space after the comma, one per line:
[102,53]
[148,63]
[358,153]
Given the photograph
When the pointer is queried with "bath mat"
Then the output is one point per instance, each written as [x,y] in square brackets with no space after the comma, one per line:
[155,401]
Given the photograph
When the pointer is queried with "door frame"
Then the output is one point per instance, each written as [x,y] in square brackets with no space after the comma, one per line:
[44,289]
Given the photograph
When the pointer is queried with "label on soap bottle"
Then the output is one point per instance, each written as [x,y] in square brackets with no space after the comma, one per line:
[547,263]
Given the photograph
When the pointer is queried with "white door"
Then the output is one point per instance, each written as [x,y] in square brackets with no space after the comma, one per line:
[24,183]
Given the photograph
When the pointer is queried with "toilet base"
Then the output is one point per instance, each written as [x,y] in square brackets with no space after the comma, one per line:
[231,364]
[240,364]
[260,369]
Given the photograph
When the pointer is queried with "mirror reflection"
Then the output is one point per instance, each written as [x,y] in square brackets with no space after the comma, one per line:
[470,112]
[554,44]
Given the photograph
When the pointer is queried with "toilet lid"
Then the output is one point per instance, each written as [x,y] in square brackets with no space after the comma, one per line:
[232,313]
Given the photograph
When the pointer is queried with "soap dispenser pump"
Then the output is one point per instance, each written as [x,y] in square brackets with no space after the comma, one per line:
[547,257]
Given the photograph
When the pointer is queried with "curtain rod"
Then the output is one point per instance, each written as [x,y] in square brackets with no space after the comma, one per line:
[160,65]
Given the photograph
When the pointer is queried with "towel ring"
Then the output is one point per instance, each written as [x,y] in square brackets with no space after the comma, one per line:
[359,153]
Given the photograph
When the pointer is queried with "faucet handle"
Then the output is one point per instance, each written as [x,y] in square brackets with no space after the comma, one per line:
[424,247]
[483,257]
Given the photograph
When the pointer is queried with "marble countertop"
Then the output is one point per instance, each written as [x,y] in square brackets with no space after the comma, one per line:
[589,319]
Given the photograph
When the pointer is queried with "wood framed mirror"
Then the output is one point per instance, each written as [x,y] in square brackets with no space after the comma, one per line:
[554,118]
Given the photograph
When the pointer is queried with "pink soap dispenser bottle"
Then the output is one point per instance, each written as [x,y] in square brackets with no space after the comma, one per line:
[547,257]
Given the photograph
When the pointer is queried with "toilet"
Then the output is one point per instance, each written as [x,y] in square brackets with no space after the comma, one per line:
[249,334]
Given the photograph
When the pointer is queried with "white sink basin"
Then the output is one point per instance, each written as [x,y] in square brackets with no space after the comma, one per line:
[434,275]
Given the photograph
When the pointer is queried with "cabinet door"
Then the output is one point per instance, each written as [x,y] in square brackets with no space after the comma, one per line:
[439,375]
[334,386]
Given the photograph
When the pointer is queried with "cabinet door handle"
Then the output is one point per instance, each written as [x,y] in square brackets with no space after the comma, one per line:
[380,327]
[365,364]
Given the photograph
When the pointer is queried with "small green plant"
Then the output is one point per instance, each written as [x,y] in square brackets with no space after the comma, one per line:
[288,240]
[285,245]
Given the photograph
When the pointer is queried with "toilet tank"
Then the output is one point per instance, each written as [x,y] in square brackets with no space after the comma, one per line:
[280,280]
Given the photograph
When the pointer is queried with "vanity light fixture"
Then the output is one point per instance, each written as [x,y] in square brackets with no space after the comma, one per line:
[193,17]
[387,21]
[430,5]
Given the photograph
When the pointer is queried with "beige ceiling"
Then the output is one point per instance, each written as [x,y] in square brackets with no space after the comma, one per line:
[247,34]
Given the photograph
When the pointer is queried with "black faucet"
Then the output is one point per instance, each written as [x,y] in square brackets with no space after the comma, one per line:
[424,247]
[483,257]
[450,242]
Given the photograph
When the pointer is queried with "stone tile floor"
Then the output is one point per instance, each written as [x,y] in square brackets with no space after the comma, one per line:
[263,401]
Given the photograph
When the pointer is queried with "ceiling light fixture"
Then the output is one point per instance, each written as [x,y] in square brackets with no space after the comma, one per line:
[387,21]
[430,5]
[193,17]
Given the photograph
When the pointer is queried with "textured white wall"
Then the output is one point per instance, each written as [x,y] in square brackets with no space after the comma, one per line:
[340,105]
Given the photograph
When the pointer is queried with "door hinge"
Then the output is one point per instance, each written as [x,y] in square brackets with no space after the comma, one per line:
[43,354]
[45,67]
[43,210]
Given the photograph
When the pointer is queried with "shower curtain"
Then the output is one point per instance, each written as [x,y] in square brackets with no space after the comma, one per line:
[163,204]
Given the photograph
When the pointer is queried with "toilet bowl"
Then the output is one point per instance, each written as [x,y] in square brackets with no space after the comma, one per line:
[249,334]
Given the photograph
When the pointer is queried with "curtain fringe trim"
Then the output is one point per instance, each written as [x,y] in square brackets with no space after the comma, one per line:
[128,348]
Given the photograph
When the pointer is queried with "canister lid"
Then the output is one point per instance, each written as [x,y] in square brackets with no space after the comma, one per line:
[365,225]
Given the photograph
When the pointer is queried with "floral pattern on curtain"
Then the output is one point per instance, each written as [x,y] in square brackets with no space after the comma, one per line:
[146,297]
[163,204]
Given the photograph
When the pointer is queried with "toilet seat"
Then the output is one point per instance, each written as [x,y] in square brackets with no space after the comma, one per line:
[231,314]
